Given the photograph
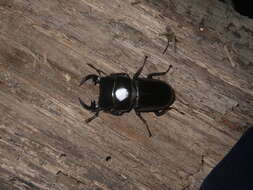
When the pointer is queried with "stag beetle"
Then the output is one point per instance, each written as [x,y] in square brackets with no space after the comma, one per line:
[118,94]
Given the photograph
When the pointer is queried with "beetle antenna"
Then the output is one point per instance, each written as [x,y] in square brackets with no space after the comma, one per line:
[145,122]
[96,69]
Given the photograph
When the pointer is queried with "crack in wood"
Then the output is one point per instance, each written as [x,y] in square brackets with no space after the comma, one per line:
[20,180]
[78,181]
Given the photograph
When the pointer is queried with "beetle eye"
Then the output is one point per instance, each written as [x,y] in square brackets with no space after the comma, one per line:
[121,94]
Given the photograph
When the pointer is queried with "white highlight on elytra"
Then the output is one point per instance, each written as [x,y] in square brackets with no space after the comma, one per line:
[121,94]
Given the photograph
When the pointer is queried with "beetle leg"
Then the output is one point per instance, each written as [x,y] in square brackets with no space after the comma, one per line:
[161,112]
[159,73]
[94,78]
[117,113]
[145,122]
[136,75]
[171,38]
[91,118]
[96,69]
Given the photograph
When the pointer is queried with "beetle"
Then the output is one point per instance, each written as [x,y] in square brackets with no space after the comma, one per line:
[118,94]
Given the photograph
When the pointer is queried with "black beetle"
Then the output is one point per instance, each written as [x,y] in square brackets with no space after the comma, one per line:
[118,94]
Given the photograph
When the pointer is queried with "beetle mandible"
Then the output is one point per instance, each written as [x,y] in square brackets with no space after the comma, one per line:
[118,94]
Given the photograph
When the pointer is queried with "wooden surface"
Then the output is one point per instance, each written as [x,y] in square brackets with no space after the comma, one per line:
[45,47]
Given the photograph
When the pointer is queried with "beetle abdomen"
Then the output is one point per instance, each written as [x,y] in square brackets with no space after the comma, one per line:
[153,95]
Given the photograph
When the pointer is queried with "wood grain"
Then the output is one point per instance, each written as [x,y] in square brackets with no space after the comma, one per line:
[45,47]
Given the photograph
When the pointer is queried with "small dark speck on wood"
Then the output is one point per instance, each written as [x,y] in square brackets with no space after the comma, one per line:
[108,158]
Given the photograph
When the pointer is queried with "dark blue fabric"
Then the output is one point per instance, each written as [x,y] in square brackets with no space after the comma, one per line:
[235,171]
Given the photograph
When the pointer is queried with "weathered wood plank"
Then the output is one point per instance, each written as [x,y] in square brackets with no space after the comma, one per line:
[45,47]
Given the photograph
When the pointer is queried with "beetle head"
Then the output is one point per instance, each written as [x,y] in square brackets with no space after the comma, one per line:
[93,106]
